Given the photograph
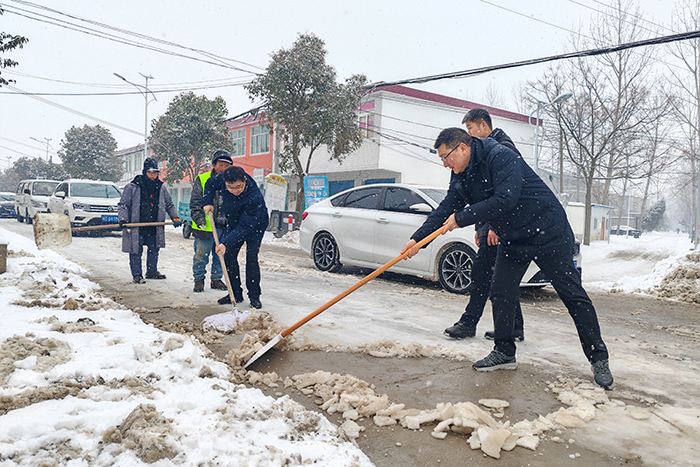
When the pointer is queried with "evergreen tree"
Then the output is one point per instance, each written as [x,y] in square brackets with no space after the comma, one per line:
[88,153]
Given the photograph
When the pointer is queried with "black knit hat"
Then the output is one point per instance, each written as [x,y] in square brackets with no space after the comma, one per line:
[221,155]
[150,165]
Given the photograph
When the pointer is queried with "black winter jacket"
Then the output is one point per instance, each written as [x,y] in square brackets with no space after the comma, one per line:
[246,213]
[499,187]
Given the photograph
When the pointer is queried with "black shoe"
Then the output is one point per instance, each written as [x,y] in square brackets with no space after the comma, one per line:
[255,303]
[601,373]
[460,331]
[224,300]
[139,280]
[516,337]
[155,275]
[218,285]
[496,361]
[199,286]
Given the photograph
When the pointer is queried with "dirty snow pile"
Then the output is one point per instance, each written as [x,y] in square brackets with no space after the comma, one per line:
[84,382]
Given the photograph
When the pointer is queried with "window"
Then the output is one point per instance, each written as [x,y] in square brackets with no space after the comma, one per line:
[237,138]
[401,199]
[363,199]
[259,139]
[44,188]
[94,190]
[367,126]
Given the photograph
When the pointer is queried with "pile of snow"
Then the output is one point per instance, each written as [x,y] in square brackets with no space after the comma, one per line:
[288,240]
[84,381]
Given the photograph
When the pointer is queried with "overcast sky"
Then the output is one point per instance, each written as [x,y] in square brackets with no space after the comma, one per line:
[385,40]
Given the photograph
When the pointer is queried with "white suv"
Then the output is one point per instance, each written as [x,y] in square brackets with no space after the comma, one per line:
[31,197]
[86,202]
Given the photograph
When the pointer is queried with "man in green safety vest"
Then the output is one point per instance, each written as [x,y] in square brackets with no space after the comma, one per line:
[202,228]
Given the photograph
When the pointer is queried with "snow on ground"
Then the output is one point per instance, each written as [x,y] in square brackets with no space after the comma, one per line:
[84,381]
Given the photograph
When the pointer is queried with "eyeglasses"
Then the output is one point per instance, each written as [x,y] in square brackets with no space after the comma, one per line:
[235,187]
[444,158]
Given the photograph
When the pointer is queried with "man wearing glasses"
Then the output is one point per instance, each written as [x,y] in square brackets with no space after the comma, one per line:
[492,183]
[247,218]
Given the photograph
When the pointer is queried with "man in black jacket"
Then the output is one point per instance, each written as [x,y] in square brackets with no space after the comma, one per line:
[492,183]
[478,122]
[247,217]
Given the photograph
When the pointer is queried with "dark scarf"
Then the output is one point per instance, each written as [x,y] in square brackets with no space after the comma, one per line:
[150,194]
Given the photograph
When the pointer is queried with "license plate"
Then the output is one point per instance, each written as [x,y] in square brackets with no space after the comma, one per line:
[110,219]
[575,263]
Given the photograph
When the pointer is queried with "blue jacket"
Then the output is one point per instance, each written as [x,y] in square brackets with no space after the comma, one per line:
[246,213]
[499,187]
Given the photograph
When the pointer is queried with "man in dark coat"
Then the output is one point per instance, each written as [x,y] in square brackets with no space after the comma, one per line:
[145,199]
[492,183]
[247,218]
[478,123]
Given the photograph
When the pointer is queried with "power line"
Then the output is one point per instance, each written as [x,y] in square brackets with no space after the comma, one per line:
[551,58]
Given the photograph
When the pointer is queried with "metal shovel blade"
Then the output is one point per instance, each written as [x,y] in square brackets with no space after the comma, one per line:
[51,230]
[262,351]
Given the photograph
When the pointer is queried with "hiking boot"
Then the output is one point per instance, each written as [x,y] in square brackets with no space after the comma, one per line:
[255,302]
[199,285]
[460,331]
[218,285]
[496,361]
[155,275]
[224,300]
[517,336]
[601,373]
[139,280]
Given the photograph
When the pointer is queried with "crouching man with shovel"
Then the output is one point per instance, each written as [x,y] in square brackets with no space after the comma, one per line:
[246,214]
[145,199]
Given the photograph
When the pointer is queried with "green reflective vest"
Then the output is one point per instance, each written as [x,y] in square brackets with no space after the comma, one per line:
[203,181]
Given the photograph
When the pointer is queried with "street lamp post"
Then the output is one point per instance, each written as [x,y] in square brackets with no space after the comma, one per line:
[143,90]
[542,102]
[46,143]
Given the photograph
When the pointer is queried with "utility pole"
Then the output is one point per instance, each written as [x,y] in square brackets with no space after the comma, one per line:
[47,144]
[143,90]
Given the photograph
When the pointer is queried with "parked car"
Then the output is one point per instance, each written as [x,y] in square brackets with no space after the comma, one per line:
[31,197]
[367,226]
[7,204]
[86,202]
[623,230]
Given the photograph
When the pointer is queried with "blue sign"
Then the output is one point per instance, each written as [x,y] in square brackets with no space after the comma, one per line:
[315,190]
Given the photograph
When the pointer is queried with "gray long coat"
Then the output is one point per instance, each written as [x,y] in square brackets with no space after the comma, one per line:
[130,211]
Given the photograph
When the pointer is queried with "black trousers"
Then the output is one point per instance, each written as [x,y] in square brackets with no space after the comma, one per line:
[566,280]
[480,288]
[252,267]
[147,239]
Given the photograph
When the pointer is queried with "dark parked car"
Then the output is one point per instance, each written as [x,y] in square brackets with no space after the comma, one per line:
[623,229]
[7,205]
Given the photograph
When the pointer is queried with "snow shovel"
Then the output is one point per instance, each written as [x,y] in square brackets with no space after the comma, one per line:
[338,298]
[224,322]
[54,230]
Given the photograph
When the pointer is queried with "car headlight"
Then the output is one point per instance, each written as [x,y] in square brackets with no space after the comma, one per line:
[38,204]
[81,207]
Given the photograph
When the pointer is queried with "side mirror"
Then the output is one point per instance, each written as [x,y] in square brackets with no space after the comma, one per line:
[60,194]
[421,208]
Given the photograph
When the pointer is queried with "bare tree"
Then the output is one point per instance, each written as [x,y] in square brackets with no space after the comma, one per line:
[493,96]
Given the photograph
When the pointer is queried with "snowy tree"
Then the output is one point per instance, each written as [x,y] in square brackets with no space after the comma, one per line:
[29,167]
[188,133]
[88,153]
[302,97]
[9,42]
[653,219]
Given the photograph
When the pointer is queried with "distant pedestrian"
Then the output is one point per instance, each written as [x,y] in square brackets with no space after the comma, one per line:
[247,218]
[479,125]
[492,183]
[202,228]
[145,199]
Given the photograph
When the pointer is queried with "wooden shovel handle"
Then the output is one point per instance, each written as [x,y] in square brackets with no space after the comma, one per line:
[221,259]
[362,282]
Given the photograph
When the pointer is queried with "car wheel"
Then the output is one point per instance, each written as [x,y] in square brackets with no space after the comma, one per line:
[326,254]
[186,230]
[455,268]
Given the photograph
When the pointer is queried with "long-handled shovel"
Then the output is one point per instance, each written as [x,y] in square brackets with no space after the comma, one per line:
[224,321]
[54,230]
[338,298]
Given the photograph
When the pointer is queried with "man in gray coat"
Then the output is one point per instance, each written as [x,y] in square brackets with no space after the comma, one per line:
[145,199]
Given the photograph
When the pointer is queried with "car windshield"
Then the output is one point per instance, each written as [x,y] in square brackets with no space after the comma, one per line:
[44,188]
[94,190]
[7,198]
[435,194]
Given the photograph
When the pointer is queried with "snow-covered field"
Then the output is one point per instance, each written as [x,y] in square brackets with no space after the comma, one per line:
[93,385]
[84,382]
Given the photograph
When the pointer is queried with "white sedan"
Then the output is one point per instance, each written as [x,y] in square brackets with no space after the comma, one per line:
[367,226]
